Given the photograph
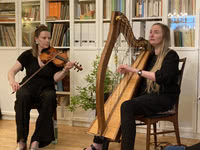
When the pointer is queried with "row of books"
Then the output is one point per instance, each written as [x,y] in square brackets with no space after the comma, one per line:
[183,37]
[113,5]
[59,10]
[7,12]
[7,7]
[181,7]
[7,35]
[31,13]
[85,10]
[85,34]
[148,8]
[7,16]
[60,34]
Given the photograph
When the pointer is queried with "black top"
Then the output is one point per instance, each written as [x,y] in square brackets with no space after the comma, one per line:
[167,76]
[44,78]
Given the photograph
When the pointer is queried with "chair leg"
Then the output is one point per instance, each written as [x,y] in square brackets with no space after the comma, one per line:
[55,125]
[148,136]
[106,143]
[155,135]
[176,128]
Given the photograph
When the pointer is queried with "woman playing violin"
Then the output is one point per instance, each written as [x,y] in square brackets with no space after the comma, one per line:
[39,90]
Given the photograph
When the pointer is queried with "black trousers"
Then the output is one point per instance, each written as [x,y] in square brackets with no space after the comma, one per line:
[194,147]
[46,101]
[143,105]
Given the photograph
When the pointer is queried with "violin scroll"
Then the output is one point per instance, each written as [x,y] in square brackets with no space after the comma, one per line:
[78,67]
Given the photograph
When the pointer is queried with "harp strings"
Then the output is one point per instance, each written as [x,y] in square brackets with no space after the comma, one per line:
[120,59]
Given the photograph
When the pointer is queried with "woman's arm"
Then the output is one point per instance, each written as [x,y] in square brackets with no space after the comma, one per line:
[58,76]
[11,76]
[146,74]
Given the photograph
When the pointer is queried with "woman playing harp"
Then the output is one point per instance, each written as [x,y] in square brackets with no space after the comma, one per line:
[158,90]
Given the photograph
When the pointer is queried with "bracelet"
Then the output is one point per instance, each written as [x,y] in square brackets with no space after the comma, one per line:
[139,72]
[64,70]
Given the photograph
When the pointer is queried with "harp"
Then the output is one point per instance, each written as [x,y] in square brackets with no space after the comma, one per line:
[107,123]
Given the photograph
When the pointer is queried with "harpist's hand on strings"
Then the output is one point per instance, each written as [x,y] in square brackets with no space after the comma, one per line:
[15,86]
[125,69]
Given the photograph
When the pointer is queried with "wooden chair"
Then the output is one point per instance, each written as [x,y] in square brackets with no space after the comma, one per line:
[171,115]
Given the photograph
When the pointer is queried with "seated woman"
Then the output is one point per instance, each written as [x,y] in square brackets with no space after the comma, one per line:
[39,90]
[158,90]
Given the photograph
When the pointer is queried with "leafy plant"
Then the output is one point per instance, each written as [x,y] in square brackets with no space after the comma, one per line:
[86,97]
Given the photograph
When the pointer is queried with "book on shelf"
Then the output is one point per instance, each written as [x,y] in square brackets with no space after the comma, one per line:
[77,37]
[92,34]
[7,16]
[84,34]
[58,10]
[31,13]
[54,9]
[85,10]
[172,37]
[184,37]
[7,7]
[59,86]
[66,39]
[178,38]
[182,6]
[152,8]
[7,35]
[58,31]
[113,5]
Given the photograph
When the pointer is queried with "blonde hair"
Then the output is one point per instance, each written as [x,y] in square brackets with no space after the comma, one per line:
[152,86]
[38,30]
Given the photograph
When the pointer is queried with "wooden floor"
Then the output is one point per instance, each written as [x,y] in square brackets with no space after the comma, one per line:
[71,138]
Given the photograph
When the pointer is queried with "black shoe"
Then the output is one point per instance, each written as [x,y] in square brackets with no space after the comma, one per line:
[92,147]
[18,147]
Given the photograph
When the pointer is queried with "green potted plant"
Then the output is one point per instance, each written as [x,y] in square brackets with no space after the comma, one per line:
[86,98]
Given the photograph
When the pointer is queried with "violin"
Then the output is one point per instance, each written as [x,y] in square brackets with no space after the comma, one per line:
[58,58]
[52,55]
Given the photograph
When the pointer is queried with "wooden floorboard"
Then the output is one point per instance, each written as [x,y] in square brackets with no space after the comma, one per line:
[71,138]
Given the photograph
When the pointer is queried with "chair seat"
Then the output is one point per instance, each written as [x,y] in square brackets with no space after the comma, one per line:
[159,115]
[171,111]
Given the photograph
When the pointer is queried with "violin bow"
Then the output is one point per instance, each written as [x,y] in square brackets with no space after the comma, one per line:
[37,71]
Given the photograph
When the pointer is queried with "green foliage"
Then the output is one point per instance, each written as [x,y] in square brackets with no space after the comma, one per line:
[86,98]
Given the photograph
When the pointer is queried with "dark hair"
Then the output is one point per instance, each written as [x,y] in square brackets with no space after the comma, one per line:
[37,32]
